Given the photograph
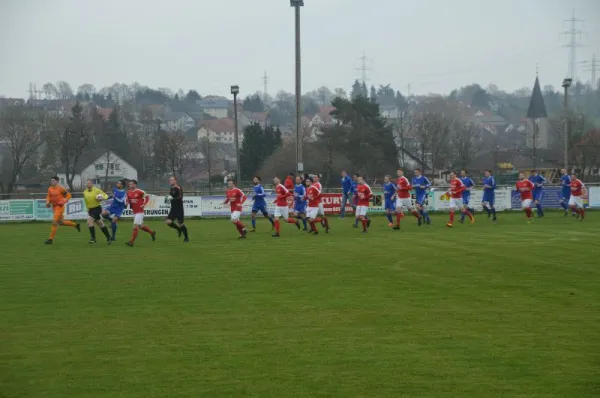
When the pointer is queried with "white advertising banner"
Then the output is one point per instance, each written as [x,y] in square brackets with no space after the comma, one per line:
[502,200]
[594,197]
[212,206]
[156,207]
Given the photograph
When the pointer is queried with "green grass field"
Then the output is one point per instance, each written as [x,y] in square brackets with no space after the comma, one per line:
[479,310]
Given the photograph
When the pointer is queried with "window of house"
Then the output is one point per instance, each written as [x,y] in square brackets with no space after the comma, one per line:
[99,167]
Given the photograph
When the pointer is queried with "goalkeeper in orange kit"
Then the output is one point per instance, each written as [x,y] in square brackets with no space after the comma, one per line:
[57,198]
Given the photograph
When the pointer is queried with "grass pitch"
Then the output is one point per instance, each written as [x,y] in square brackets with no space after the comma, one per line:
[479,310]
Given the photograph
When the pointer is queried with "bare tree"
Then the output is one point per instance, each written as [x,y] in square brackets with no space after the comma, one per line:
[73,136]
[176,152]
[465,143]
[578,126]
[432,133]
[50,90]
[64,90]
[20,129]
[86,89]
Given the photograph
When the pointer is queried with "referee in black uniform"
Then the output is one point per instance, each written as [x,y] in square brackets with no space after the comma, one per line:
[175,217]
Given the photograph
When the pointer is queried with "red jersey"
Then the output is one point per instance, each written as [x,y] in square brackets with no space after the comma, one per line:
[137,199]
[313,195]
[525,187]
[363,191]
[576,187]
[282,196]
[456,188]
[235,198]
[320,188]
[289,184]
[403,187]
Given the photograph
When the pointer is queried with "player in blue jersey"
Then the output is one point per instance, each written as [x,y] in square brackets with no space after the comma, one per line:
[538,181]
[389,190]
[300,201]
[115,210]
[489,194]
[421,184]
[565,191]
[259,203]
[466,194]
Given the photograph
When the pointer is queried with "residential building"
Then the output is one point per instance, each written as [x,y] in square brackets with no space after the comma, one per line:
[98,166]
[219,130]
[215,106]
[11,102]
[177,121]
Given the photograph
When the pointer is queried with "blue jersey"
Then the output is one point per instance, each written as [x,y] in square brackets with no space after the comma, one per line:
[300,198]
[259,198]
[565,183]
[347,185]
[539,182]
[489,188]
[118,202]
[354,185]
[468,183]
[389,189]
[421,184]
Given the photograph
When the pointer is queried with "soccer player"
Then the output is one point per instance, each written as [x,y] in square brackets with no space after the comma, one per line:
[115,210]
[565,192]
[364,193]
[466,195]
[576,199]
[300,201]
[93,198]
[259,203]
[525,188]
[347,192]
[421,184]
[389,190]
[289,182]
[324,220]
[456,201]
[489,194]
[137,200]
[176,213]
[538,181]
[56,198]
[312,213]
[281,207]
[403,200]
[236,199]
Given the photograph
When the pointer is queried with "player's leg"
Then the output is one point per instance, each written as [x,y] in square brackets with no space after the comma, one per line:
[170,221]
[266,215]
[312,215]
[362,212]
[462,210]
[97,217]
[135,231]
[182,227]
[526,206]
[90,223]
[399,213]
[467,211]
[253,218]
[56,218]
[146,228]
[538,205]
[113,226]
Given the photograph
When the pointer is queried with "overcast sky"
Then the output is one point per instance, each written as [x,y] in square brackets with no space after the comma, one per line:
[433,45]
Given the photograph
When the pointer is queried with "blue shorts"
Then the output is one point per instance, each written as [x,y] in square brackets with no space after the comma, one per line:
[489,198]
[389,204]
[260,208]
[300,208]
[537,195]
[564,196]
[421,200]
[466,199]
[115,211]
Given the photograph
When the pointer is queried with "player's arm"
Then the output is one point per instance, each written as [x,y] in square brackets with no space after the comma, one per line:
[176,193]
[48,204]
[101,192]
[119,197]
[145,199]
[243,197]
[66,195]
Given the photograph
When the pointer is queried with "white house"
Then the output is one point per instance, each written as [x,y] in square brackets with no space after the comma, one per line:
[177,121]
[219,130]
[214,105]
[97,166]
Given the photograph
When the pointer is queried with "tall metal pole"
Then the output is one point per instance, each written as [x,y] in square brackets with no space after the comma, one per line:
[299,162]
[535,133]
[238,175]
[566,129]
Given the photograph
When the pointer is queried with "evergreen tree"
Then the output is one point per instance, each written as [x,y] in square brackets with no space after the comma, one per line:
[356,90]
[373,94]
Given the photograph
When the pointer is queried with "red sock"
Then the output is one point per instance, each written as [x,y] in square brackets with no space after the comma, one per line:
[318,219]
[277,226]
[582,212]
[468,213]
[313,227]
[147,229]
[292,220]
[451,216]
[134,234]
[398,218]
[364,223]
[416,214]
[239,226]
[528,212]
[326,222]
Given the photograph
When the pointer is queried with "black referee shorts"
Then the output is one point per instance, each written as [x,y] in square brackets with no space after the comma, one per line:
[95,213]
[176,214]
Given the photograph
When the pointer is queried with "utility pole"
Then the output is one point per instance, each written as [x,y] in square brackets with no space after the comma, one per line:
[363,68]
[299,162]
[592,66]
[265,92]
[566,84]
[573,33]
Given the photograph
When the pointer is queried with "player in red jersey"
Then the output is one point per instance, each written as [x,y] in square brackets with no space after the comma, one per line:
[137,200]
[281,206]
[456,202]
[313,196]
[324,221]
[364,194]
[525,188]
[576,199]
[403,199]
[236,199]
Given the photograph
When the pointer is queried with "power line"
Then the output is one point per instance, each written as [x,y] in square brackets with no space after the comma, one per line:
[592,66]
[363,68]
[573,33]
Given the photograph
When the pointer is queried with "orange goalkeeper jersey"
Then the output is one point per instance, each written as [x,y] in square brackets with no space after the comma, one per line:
[57,196]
